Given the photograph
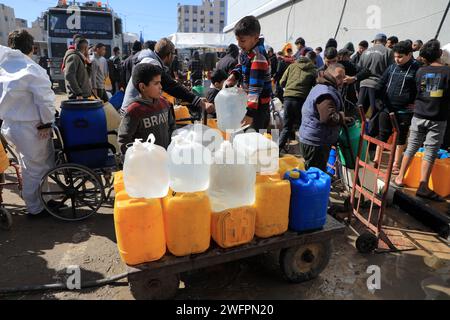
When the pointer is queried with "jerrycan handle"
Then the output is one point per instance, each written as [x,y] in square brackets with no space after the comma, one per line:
[129,145]
[151,138]
[314,174]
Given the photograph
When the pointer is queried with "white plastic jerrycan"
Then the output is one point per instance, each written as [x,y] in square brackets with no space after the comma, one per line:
[233,180]
[189,164]
[231,107]
[146,170]
[206,136]
[260,151]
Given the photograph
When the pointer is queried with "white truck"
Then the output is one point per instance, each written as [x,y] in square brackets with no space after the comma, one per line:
[95,21]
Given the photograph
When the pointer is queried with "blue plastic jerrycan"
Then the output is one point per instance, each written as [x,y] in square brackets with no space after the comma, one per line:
[309,199]
[332,162]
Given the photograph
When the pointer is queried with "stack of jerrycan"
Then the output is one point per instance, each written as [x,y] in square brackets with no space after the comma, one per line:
[138,214]
[439,181]
[309,200]
[187,210]
[272,193]
[232,195]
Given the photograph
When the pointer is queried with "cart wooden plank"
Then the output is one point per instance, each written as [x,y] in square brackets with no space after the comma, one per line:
[214,256]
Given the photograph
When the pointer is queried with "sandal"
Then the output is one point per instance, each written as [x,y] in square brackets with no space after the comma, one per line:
[396,185]
[433,196]
[395,170]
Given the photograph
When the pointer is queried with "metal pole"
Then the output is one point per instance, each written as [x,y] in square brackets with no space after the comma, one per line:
[443,20]
[340,20]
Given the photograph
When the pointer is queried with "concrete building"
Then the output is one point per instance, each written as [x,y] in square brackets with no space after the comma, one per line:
[317,20]
[209,17]
[7,23]
[37,30]
[21,23]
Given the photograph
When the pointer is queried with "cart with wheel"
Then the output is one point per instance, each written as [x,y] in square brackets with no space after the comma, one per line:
[367,218]
[303,257]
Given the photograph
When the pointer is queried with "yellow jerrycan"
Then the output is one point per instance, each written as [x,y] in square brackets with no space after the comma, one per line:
[412,177]
[234,227]
[139,229]
[118,182]
[273,197]
[440,177]
[187,221]
[4,160]
[289,163]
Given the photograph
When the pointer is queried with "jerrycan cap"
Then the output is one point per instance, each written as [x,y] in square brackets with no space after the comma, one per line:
[294,175]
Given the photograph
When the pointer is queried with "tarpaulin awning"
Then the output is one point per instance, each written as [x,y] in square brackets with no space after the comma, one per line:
[199,40]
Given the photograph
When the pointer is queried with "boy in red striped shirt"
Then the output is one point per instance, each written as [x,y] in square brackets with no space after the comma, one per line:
[253,72]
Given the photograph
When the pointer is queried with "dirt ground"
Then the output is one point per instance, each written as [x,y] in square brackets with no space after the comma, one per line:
[37,252]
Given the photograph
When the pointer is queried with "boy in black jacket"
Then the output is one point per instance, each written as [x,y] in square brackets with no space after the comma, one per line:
[149,113]
[398,90]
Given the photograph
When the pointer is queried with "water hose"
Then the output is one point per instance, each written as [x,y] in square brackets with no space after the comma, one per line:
[63,287]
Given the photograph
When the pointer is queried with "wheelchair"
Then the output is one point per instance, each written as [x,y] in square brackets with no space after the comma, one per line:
[74,191]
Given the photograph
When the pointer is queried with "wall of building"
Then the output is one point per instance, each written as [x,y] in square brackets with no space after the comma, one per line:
[21,23]
[7,23]
[317,20]
[210,17]
[37,30]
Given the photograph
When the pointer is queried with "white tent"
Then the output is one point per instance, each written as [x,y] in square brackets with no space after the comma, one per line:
[199,40]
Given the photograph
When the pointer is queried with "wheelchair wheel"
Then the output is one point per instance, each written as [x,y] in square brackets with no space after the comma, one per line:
[76,192]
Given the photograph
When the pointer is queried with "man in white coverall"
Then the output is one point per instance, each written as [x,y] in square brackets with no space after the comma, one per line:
[27,110]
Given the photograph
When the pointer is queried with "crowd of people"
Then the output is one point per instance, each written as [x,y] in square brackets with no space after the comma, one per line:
[320,90]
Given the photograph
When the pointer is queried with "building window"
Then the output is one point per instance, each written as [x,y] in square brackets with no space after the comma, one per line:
[211,29]
[211,21]
[194,20]
[194,29]
[186,29]
[222,14]
[195,8]
[202,12]
[202,20]
[186,9]
[222,4]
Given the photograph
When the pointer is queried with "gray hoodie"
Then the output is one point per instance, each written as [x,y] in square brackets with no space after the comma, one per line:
[376,59]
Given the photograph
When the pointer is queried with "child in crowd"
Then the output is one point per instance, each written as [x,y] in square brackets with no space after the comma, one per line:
[218,79]
[430,117]
[254,73]
[149,113]
[398,90]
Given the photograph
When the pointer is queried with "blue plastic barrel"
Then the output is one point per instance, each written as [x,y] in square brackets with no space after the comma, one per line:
[309,199]
[84,132]
[117,99]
